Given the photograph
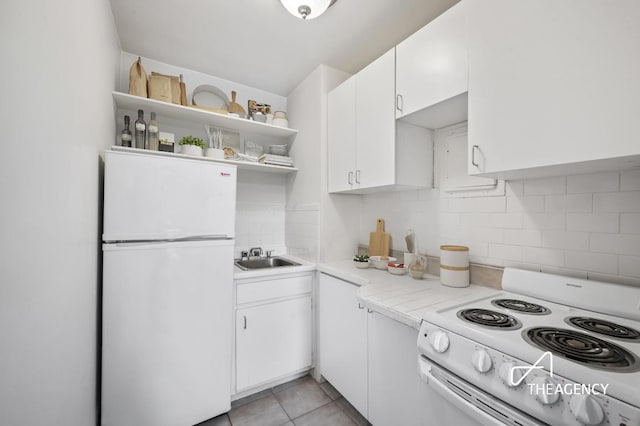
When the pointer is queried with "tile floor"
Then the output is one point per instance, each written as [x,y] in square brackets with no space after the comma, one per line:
[300,402]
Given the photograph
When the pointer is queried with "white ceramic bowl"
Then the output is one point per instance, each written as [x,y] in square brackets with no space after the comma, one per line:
[361,265]
[380,263]
[398,270]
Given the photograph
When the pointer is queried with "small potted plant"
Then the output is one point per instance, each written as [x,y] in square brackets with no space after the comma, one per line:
[361,261]
[190,145]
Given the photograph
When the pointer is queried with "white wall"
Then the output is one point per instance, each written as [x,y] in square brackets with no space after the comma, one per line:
[59,65]
[318,226]
[586,226]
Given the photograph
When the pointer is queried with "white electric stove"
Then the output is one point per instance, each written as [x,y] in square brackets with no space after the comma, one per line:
[547,349]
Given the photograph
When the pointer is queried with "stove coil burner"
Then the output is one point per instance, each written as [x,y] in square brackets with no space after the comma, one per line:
[521,306]
[607,328]
[491,319]
[582,348]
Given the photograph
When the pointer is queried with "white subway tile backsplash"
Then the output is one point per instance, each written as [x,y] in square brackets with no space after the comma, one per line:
[569,203]
[552,185]
[514,187]
[593,222]
[523,237]
[506,220]
[565,240]
[533,203]
[489,235]
[623,202]
[544,221]
[572,225]
[629,265]
[593,262]
[616,243]
[543,256]
[630,180]
[474,219]
[599,182]
[630,223]
[506,252]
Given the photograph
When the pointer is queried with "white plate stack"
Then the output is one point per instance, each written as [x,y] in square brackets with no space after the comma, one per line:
[276,160]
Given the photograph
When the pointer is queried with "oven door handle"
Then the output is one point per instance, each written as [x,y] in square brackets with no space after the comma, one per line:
[464,406]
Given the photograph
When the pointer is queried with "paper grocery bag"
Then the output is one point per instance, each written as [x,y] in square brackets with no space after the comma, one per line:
[138,79]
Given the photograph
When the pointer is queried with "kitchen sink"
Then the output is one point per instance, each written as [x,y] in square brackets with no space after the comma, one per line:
[264,262]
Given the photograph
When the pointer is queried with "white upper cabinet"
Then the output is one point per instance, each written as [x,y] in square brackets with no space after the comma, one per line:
[375,123]
[432,68]
[554,86]
[342,136]
[367,151]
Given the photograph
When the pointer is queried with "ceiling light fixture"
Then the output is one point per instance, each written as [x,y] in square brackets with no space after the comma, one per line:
[307,9]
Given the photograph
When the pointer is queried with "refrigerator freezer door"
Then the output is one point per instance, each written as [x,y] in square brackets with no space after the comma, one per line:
[166,333]
[149,197]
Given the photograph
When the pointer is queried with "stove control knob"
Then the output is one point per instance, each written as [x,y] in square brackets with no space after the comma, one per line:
[481,361]
[510,376]
[540,385]
[439,341]
[586,409]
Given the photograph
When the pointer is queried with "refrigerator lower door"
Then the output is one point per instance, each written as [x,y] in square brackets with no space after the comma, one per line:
[166,332]
[148,197]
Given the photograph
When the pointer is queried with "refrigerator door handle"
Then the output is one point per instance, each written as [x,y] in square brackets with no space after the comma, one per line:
[212,237]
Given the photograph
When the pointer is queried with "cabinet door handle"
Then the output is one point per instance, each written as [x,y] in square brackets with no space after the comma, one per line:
[369,310]
[473,155]
[357,176]
[350,178]
[245,321]
[399,102]
[360,306]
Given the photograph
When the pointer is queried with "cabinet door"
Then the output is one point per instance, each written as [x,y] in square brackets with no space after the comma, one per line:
[272,340]
[552,83]
[393,372]
[342,340]
[342,136]
[432,64]
[375,123]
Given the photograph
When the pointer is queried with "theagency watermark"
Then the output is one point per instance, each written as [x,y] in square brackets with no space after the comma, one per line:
[550,387]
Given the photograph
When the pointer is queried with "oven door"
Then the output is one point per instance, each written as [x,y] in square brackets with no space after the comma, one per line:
[463,402]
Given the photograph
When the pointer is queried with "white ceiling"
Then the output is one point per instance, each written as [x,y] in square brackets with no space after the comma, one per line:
[258,43]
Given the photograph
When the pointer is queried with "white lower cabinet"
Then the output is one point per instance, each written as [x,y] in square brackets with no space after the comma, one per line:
[273,333]
[369,358]
[342,340]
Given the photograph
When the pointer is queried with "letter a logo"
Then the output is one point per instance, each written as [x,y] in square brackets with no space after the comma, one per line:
[537,366]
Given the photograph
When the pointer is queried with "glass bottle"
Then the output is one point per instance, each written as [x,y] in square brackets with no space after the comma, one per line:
[141,130]
[153,133]
[125,136]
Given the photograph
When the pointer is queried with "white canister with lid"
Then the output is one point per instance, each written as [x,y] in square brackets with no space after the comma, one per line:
[454,266]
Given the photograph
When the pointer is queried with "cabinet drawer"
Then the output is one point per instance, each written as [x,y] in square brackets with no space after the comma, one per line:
[274,288]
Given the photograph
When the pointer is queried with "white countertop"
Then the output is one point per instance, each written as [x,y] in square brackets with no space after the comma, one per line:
[305,266]
[400,297]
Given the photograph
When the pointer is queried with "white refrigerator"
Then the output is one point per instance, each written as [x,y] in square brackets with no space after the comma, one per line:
[167,289]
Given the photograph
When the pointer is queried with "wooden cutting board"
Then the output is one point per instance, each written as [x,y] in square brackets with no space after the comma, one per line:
[379,241]
[234,106]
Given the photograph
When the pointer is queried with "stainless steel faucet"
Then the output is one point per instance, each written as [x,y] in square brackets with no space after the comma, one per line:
[255,252]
